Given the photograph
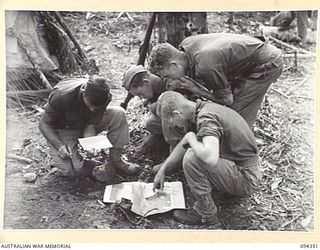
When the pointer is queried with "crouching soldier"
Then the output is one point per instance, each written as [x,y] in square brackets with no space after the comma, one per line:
[140,82]
[236,70]
[78,108]
[218,153]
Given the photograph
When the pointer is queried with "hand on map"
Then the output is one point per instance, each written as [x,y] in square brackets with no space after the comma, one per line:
[158,182]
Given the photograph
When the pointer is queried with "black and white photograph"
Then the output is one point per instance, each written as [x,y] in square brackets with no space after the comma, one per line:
[147,120]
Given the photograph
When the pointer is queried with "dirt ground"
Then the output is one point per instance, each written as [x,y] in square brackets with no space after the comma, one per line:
[284,131]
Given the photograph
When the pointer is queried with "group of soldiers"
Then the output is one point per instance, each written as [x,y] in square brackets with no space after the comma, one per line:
[203,98]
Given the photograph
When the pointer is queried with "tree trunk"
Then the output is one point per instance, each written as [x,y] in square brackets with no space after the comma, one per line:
[173,27]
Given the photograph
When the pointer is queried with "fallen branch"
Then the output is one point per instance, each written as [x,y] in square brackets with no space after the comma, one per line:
[35,65]
[44,80]
[58,217]
[102,204]
[141,218]
[266,134]
[300,56]
[290,222]
[292,47]
[19,158]
[279,92]
[302,97]
[277,146]
[284,202]
[297,85]
[125,14]
[69,33]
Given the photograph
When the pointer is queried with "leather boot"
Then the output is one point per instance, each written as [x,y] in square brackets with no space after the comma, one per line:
[122,165]
[152,144]
[203,203]
[191,216]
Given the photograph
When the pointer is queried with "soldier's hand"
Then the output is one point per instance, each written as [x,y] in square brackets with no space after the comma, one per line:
[158,182]
[174,84]
[187,83]
[92,153]
[65,152]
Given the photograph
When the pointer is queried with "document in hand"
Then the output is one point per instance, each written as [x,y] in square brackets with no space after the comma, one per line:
[95,142]
[145,202]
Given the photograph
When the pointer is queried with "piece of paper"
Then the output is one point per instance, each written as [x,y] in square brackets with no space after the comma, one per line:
[114,193]
[145,202]
[95,142]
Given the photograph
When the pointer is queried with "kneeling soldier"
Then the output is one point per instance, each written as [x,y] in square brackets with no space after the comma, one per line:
[218,153]
[78,108]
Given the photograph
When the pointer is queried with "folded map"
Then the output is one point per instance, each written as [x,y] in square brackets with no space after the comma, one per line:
[145,202]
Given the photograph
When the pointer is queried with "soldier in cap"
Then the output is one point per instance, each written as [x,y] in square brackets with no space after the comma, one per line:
[140,82]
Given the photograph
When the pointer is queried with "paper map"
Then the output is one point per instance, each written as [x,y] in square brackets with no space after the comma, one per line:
[95,142]
[145,202]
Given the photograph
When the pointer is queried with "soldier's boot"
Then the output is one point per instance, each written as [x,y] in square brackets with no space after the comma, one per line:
[121,165]
[203,212]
